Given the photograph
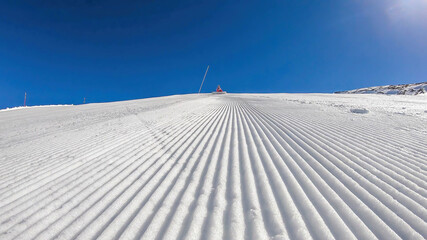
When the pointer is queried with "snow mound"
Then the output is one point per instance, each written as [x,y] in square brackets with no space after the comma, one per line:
[402,89]
[30,107]
[233,166]
[359,110]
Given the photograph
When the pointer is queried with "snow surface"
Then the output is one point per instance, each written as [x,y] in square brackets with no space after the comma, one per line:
[26,107]
[234,166]
[401,89]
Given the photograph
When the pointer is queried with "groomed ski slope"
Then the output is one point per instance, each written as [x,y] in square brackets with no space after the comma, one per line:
[235,166]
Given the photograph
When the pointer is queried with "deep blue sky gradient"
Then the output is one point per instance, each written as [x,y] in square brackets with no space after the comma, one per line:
[61,51]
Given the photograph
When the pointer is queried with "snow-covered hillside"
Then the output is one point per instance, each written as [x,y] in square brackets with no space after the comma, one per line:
[402,89]
[235,166]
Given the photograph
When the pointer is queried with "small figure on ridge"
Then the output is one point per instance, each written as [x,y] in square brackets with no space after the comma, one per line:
[218,89]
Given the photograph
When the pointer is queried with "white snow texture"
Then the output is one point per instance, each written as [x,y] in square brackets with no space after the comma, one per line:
[401,89]
[232,166]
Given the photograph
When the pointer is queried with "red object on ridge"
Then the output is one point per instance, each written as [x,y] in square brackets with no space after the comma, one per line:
[218,89]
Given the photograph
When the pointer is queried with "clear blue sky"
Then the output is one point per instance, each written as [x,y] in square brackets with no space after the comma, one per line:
[61,51]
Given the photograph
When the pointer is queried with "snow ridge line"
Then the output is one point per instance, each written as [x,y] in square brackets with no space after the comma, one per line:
[230,168]
[171,228]
[48,151]
[158,222]
[90,151]
[294,222]
[61,150]
[280,141]
[397,225]
[94,196]
[147,192]
[404,190]
[233,215]
[193,227]
[125,177]
[102,118]
[273,222]
[362,151]
[83,179]
[359,229]
[301,191]
[370,133]
[255,220]
[126,191]
[44,235]
[130,139]
[368,136]
[213,225]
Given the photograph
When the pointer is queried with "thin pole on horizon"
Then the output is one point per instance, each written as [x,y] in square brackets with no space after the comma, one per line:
[203,79]
[25,99]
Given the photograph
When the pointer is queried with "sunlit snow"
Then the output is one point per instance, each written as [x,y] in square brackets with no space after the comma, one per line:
[232,166]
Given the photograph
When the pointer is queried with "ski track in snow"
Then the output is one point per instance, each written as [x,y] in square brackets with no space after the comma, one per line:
[235,166]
